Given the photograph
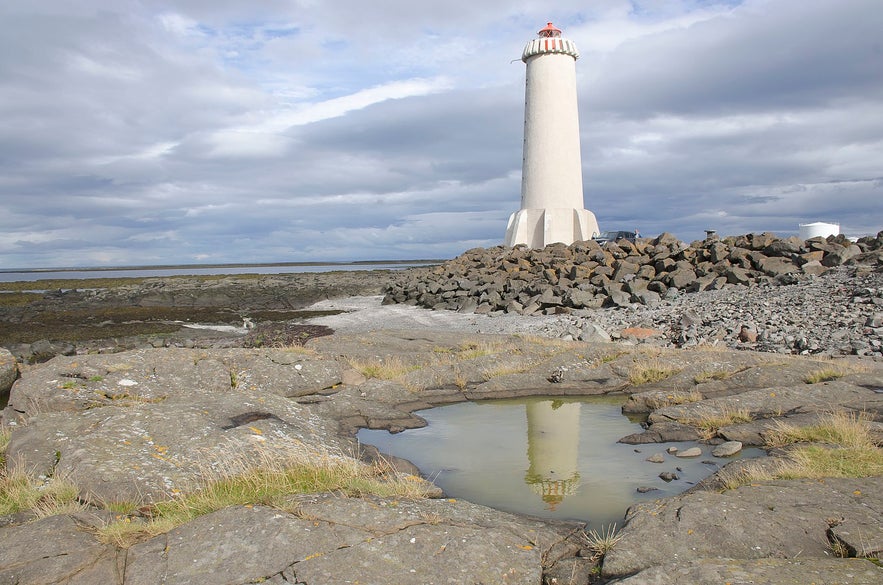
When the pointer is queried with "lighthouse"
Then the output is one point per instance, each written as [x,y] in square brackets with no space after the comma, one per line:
[552,208]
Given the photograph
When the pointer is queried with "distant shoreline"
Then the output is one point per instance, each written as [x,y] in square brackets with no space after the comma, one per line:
[219,265]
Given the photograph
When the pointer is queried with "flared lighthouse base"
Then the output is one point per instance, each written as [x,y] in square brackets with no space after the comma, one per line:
[538,228]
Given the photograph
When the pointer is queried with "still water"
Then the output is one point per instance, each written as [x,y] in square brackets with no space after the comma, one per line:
[553,458]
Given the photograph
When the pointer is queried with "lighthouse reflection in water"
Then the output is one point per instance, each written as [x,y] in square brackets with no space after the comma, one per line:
[553,449]
[548,457]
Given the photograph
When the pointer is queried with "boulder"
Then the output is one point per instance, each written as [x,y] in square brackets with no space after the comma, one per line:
[727,449]
[8,371]
[840,254]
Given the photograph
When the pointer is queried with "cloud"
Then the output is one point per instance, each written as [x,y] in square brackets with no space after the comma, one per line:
[186,130]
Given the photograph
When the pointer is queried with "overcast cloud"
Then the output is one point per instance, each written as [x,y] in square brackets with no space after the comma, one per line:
[190,131]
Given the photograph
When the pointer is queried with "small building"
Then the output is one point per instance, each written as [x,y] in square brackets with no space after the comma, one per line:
[818,229]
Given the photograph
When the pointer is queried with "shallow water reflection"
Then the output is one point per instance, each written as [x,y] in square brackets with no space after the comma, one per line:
[549,457]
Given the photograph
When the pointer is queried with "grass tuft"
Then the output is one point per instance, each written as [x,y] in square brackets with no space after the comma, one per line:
[504,369]
[846,429]
[390,368]
[833,372]
[20,491]
[603,541]
[711,423]
[4,444]
[649,371]
[606,358]
[265,478]
[709,375]
[840,445]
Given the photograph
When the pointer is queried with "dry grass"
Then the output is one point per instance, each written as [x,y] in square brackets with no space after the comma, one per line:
[504,369]
[846,429]
[712,422]
[472,349]
[606,359]
[834,370]
[4,443]
[389,368]
[709,375]
[266,478]
[840,445]
[649,371]
[714,346]
[469,350]
[20,491]
[552,344]
[251,476]
[603,541]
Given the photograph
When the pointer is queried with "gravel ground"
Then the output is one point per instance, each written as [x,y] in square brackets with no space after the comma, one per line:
[838,313]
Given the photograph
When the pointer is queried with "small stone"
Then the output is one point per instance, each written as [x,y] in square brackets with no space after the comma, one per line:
[727,449]
[672,450]
[644,489]
[691,452]
[668,476]
[747,334]
[656,458]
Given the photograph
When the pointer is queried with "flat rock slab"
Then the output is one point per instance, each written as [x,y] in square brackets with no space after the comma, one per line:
[778,401]
[779,519]
[56,549]
[760,572]
[234,546]
[431,541]
[151,451]
[799,404]
[348,540]
[83,382]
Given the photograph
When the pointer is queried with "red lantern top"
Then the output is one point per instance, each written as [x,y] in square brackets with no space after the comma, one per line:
[549,31]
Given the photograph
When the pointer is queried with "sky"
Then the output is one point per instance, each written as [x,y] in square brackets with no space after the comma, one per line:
[141,132]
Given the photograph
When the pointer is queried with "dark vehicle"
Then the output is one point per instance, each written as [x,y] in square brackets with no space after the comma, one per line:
[615,236]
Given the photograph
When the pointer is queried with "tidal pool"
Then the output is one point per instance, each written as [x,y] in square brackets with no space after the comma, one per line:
[548,457]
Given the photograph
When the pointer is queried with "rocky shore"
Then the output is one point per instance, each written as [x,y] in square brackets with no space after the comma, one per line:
[821,296]
[135,423]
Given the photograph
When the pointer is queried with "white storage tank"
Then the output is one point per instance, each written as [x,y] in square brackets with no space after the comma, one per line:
[818,228]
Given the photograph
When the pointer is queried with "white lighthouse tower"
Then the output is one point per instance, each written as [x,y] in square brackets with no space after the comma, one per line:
[552,208]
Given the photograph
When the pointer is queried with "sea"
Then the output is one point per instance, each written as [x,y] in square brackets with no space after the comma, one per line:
[37,274]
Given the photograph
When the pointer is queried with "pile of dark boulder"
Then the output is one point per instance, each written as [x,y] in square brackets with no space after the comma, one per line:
[760,292]
[585,275]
